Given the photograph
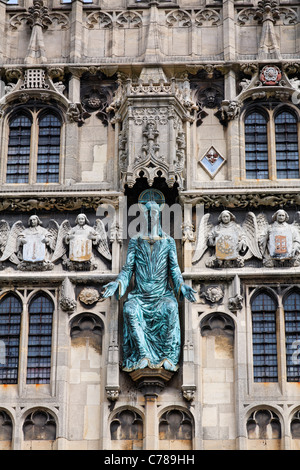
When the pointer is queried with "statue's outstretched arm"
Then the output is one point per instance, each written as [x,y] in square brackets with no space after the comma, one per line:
[121,283]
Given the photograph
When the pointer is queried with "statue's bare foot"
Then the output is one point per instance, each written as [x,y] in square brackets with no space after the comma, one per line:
[168,365]
[143,363]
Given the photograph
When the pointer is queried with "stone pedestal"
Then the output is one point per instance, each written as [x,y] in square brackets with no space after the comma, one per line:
[151,382]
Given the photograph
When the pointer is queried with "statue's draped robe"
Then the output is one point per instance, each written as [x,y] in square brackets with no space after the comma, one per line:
[151,320]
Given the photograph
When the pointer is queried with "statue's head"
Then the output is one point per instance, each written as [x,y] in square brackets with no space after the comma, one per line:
[81,219]
[226,216]
[280,216]
[152,214]
[34,221]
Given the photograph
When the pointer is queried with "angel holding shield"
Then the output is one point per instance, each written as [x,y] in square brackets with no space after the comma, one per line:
[232,243]
[280,241]
[79,241]
[29,248]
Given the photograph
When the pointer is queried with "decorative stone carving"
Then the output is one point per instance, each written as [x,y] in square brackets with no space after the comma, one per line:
[188,392]
[59,203]
[78,243]
[235,303]
[242,201]
[232,243]
[188,18]
[29,248]
[212,294]
[156,127]
[279,241]
[67,296]
[89,296]
[270,75]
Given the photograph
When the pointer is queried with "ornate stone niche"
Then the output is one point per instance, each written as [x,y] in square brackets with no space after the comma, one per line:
[152,113]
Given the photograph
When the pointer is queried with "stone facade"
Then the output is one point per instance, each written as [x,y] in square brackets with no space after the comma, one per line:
[150,94]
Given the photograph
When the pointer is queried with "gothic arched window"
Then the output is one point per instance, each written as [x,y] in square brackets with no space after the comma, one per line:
[10,323]
[264,338]
[39,340]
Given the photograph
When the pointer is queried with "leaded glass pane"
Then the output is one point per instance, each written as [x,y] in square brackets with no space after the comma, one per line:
[292,336]
[10,322]
[48,149]
[18,154]
[287,155]
[39,340]
[264,339]
[256,147]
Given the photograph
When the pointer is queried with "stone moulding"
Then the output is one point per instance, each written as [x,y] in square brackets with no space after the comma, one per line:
[243,199]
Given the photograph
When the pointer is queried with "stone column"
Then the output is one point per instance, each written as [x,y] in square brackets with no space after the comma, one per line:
[76,30]
[228,30]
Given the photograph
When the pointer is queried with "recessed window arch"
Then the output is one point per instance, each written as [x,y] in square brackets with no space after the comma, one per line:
[34,146]
[272,146]
[40,312]
[256,145]
[264,340]
[10,326]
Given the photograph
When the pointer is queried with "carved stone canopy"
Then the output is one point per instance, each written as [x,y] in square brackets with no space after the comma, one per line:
[152,111]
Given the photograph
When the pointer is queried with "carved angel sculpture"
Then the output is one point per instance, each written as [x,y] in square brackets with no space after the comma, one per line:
[75,245]
[29,248]
[279,241]
[232,243]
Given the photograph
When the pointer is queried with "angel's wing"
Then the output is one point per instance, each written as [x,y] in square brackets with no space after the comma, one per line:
[53,229]
[4,232]
[202,235]
[11,246]
[262,225]
[296,222]
[102,246]
[250,228]
[60,247]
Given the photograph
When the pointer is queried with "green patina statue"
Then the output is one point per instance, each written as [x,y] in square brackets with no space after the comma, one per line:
[151,333]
